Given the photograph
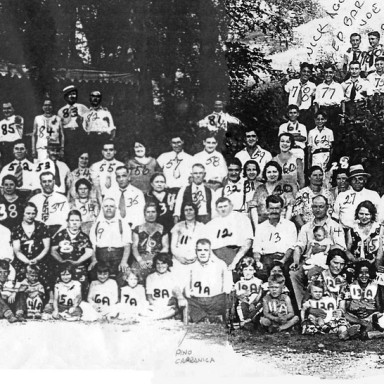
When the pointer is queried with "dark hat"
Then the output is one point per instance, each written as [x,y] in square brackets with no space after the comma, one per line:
[68,89]
[357,170]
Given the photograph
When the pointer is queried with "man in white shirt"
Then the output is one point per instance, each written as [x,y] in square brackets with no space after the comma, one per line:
[52,207]
[198,194]
[213,161]
[129,199]
[11,129]
[103,172]
[275,238]
[22,169]
[252,151]
[176,165]
[59,169]
[111,238]
[347,201]
[230,233]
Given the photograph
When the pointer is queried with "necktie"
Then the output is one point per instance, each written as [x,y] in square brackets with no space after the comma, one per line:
[300,96]
[45,210]
[353,92]
[354,56]
[57,175]
[19,175]
[122,207]
[176,171]
[108,181]
[371,57]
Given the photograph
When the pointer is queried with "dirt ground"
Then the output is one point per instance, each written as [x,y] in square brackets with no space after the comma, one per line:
[170,350]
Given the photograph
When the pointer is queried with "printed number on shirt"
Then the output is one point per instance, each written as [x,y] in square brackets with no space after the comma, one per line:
[358,87]
[229,189]
[197,198]
[13,166]
[34,304]
[289,168]
[329,90]
[73,111]
[163,209]
[171,200]
[64,301]
[132,201]
[258,156]
[160,293]
[214,160]
[175,161]
[358,293]
[251,288]
[102,300]
[223,233]
[57,207]
[204,290]
[131,301]
[29,244]
[274,308]
[274,237]
[379,82]
[350,199]
[42,131]
[184,240]
[110,168]
[326,307]
[321,140]
[11,211]
[45,165]
[7,128]
[141,169]
[212,120]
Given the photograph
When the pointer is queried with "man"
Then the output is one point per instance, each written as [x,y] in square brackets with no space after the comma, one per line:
[59,169]
[198,194]
[275,238]
[376,78]
[71,118]
[130,200]
[213,161]
[302,212]
[12,127]
[22,169]
[354,53]
[230,233]
[209,285]
[46,128]
[102,172]
[98,123]
[335,232]
[218,120]
[252,151]
[375,50]
[347,201]
[111,238]
[52,207]
[11,204]
[176,165]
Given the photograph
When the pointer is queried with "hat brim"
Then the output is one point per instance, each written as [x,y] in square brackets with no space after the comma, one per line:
[359,174]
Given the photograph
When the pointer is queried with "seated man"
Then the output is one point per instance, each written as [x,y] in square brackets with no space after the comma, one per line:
[209,285]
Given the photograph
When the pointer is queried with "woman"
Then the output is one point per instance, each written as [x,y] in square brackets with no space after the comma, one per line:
[292,166]
[31,242]
[165,201]
[82,172]
[251,171]
[148,239]
[142,167]
[72,246]
[272,174]
[89,208]
[363,237]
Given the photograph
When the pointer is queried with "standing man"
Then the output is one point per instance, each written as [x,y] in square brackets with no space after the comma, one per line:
[375,50]
[252,151]
[98,123]
[354,53]
[52,207]
[130,200]
[11,129]
[111,238]
[47,128]
[71,118]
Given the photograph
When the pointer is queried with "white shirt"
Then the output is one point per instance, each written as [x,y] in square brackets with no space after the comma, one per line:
[11,128]
[103,294]
[332,94]
[98,121]
[58,208]
[361,85]
[30,179]
[235,192]
[49,166]
[218,121]
[275,239]
[69,294]
[260,155]
[5,244]
[47,129]
[69,114]
[177,168]
[293,128]
[134,203]
[214,163]
[307,90]
[376,81]
[103,174]
[234,229]
[320,140]
[347,202]
[161,287]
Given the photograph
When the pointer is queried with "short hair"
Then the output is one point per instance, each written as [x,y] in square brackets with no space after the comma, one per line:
[29,204]
[66,267]
[293,106]
[290,136]
[322,197]
[83,181]
[153,177]
[9,177]
[355,62]
[306,65]
[199,165]
[322,113]
[355,35]
[275,164]
[315,168]
[274,199]
[102,267]
[374,33]
[380,58]
[74,212]
[109,198]
[203,241]
[223,199]
[120,167]
[210,135]
[365,263]
[368,205]
[317,284]
[245,262]
[276,279]
[329,65]
[47,173]
[149,205]
[108,142]
[250,129]
[133,271]
[20,141]
[33,268]
[234,161]
[249,162]
[189,204]
[319,228]
[336,252]
[163,257]
[4,264]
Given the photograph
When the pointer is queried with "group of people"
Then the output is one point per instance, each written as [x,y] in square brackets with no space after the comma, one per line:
[253,240]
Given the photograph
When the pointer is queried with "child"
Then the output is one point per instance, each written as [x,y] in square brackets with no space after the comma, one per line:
[12,303]
[333,322]
[278,313]
[163,294]
[248,291]
[103,296]
[35,292]
[66,298]
[320,141]
[318,259]
[299,131]
[376,78]
[132,299]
